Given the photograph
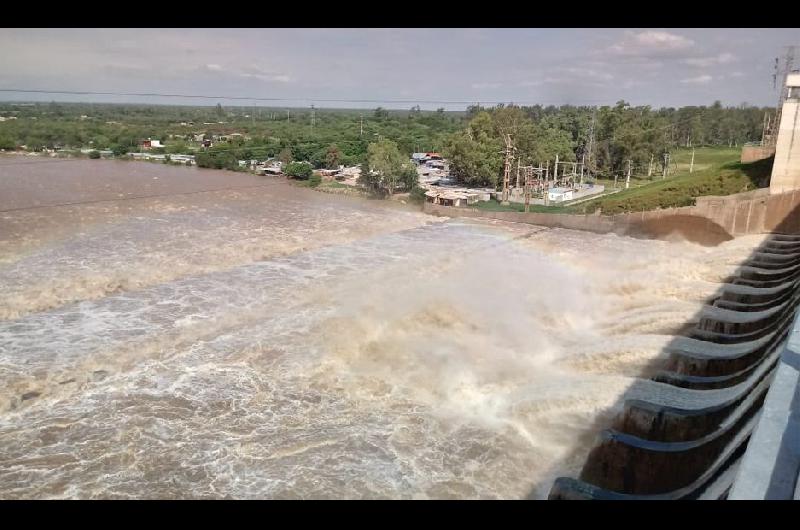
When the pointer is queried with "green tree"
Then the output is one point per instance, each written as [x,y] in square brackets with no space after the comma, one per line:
[6,142]
[94,154]
[120,149]
[299,170]
[381,113]
[219,110]
[332,157]
[285,155]
[475,153]
[386,169]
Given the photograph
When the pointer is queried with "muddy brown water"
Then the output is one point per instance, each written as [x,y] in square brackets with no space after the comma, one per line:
[274,342]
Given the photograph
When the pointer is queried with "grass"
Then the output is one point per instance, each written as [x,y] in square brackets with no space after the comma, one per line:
[333,184]
[494,206]
[721,174]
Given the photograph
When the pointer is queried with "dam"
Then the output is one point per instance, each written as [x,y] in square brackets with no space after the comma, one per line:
[169,332]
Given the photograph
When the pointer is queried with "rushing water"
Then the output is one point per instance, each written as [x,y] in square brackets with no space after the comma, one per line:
[282,343]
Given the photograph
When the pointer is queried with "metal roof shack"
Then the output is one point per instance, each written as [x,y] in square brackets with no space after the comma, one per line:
[454,197]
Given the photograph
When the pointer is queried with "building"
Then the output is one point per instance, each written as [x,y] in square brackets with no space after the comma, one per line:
[151,144]
[458,197]
[269,170]
[560,194]
[786,168]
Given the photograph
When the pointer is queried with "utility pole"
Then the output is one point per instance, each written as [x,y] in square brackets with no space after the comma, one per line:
[628,178]
[287,115]
[574,173]
[615,181]
[507,168]
[361,133]
[555,172]
[528,174]
[650,167]
[583,164]
[666,164]
[691,165]
[591,141]
[780,74]
[518,160]
[547,184]
[313,116]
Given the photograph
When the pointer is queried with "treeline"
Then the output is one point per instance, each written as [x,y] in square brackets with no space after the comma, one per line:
[337,136]
[605,138]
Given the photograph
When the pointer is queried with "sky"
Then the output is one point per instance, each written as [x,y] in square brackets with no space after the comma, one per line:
[589,66]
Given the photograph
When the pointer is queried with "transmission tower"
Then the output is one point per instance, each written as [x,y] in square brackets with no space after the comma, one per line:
[780,74]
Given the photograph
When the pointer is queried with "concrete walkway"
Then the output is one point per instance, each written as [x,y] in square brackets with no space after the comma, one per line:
[770,467]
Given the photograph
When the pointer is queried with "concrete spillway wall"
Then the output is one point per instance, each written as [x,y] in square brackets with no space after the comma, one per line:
[710,221]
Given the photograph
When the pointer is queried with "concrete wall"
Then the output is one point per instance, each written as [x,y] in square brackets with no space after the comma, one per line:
[711,221]
[751,153]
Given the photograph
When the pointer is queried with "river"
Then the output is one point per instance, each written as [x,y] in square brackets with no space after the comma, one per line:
[266,341]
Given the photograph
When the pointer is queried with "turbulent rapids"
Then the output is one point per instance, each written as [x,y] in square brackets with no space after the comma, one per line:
[273,342]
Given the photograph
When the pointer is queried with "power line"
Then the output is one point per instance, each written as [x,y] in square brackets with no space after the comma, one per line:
[252,98]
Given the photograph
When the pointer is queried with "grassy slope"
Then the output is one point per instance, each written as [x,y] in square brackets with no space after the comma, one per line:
[494,206]
[716,172]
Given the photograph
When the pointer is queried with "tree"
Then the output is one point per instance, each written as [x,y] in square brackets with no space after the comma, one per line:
[381,113]
[6,142]
[285,155]
[332,157]
[474,161]
[120,149]
[299,170]
[94,154]
[219,110]
[385,169]
[475,153]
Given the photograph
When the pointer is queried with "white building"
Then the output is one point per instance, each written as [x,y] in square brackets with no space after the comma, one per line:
[560,194]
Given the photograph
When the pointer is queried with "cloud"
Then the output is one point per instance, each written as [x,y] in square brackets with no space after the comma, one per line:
[582,74]
[699,80]
[281,78]
[652,44]
[482,86]
[214,68]
[704,62]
